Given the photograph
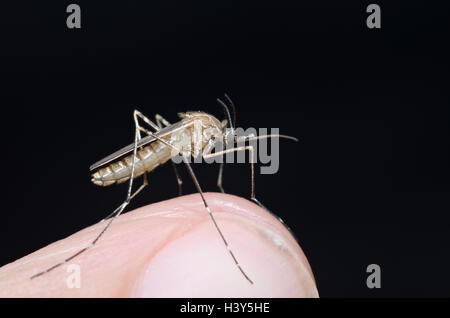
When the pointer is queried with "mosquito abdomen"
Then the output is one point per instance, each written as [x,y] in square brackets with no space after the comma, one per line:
[157,152]
[147,159]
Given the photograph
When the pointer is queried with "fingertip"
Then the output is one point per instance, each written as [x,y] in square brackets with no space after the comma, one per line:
[172,249]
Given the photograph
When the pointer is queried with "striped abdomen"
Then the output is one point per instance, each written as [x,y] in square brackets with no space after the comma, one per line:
[147,159]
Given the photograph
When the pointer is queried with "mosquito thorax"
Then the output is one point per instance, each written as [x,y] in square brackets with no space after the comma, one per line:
[211,127]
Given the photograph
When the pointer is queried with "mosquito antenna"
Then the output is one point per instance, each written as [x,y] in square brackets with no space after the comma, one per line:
[233,108]
[250,138]
[227,112]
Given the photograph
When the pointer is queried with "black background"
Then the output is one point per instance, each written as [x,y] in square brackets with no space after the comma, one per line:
[367,183]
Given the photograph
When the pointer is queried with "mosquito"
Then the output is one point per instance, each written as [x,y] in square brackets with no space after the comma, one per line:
[161,145]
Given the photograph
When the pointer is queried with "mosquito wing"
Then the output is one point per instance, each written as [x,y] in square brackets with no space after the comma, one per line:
[142,142]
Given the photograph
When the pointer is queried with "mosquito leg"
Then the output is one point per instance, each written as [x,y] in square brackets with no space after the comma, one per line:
[179,181]
[197,185]
[137,114]
[219,181]
[160,121]
[220,177]
[253,197]
[143,185]
[252,165]
[115,214]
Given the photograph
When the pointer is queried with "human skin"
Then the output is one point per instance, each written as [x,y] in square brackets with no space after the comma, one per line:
[171,249]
